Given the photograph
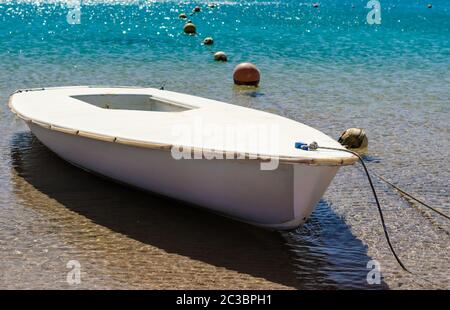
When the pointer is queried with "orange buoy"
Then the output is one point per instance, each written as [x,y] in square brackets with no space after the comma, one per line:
[182,15]
[197,9]
[190,28]
[208,41]
[246,74]
[220,56]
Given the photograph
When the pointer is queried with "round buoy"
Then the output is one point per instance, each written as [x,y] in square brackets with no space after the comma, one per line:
[316,5]
[246,74]
[220,56]
[208,41]
[182,15]
[430,5]
[197,9]
[354,138]
[189,28]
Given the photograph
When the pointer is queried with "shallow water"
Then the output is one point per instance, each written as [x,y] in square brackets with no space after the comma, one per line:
[325,67]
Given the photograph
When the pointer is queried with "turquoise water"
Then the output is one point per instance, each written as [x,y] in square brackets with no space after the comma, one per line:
[292,43]
[322,66]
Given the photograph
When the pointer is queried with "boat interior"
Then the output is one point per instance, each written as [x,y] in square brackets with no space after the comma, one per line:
[132,102]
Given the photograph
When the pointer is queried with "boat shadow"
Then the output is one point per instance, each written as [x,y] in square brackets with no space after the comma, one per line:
[167,224]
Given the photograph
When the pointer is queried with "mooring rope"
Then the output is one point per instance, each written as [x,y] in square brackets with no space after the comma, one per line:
[411,196]
[314,146]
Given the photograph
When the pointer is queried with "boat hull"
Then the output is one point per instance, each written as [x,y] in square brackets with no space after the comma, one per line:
[279,199]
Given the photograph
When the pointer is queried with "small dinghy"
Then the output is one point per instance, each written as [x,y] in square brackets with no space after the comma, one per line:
[236,161]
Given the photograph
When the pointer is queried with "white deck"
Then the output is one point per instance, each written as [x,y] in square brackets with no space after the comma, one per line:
[56,107]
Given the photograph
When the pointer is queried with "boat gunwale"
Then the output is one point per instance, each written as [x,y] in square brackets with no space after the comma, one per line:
[331,161]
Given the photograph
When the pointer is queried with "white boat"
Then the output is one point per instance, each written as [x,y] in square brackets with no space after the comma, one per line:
[244,163]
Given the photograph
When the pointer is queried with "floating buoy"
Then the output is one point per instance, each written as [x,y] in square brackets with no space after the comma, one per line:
[429,5]
[315,5]
[197,9]
[354,138]
[220,56]
[182,15]
[208,41]
[246,74]
[189,28]
[211,5]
